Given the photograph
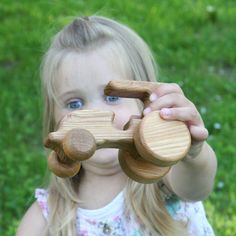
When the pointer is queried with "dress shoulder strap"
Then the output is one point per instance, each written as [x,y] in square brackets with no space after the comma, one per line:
[41,196]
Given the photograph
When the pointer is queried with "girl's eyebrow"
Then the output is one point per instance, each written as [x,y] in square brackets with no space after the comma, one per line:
[70,93]
[78,92]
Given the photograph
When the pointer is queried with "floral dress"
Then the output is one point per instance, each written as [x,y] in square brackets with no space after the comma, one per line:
[112,221]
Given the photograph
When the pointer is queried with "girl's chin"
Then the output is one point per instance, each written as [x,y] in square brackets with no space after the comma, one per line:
[105,156]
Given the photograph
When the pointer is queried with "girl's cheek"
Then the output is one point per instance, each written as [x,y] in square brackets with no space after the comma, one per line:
[60,114]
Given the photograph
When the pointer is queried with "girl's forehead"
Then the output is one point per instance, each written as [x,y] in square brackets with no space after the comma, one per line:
[86,70]
[109,55]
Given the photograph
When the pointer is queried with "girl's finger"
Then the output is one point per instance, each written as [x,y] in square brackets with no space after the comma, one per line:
[170,100]
[191,117]
[198,133]
[167,88]
[186,114]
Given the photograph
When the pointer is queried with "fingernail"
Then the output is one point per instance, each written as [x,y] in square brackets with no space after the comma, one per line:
[153,97]
[147,110]
[166,112]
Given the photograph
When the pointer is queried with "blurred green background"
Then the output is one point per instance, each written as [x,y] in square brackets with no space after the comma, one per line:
[194,43]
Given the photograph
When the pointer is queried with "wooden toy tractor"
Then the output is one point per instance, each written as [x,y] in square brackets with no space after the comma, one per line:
[148,146]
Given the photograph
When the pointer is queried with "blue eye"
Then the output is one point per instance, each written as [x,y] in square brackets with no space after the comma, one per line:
[75,104]
[111,99]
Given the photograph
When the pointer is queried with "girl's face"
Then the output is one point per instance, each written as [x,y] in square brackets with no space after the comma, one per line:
[80,85]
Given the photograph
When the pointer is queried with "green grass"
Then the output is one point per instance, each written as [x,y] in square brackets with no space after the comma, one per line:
[193,48]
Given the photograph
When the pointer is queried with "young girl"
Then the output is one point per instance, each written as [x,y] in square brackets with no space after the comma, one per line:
[101,199]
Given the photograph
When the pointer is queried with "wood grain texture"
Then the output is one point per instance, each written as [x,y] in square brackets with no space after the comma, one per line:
[99,124]
[160,141]
[139,169]
[62,169]
[79,144]
[131,89]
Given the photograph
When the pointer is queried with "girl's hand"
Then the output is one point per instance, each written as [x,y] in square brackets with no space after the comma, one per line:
[170,100]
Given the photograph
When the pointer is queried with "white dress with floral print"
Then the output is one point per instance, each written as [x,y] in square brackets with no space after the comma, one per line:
[111,220]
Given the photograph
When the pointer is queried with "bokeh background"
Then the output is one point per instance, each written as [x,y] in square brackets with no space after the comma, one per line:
[194,43]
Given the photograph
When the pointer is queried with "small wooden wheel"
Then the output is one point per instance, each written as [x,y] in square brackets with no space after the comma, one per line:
[163,145]
[79,144]
[61,169]
[139,169]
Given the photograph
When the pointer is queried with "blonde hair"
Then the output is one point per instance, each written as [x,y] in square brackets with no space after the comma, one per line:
[83,35]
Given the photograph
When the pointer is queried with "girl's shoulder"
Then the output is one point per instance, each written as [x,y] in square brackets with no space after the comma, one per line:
[33,222]
[192,214]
